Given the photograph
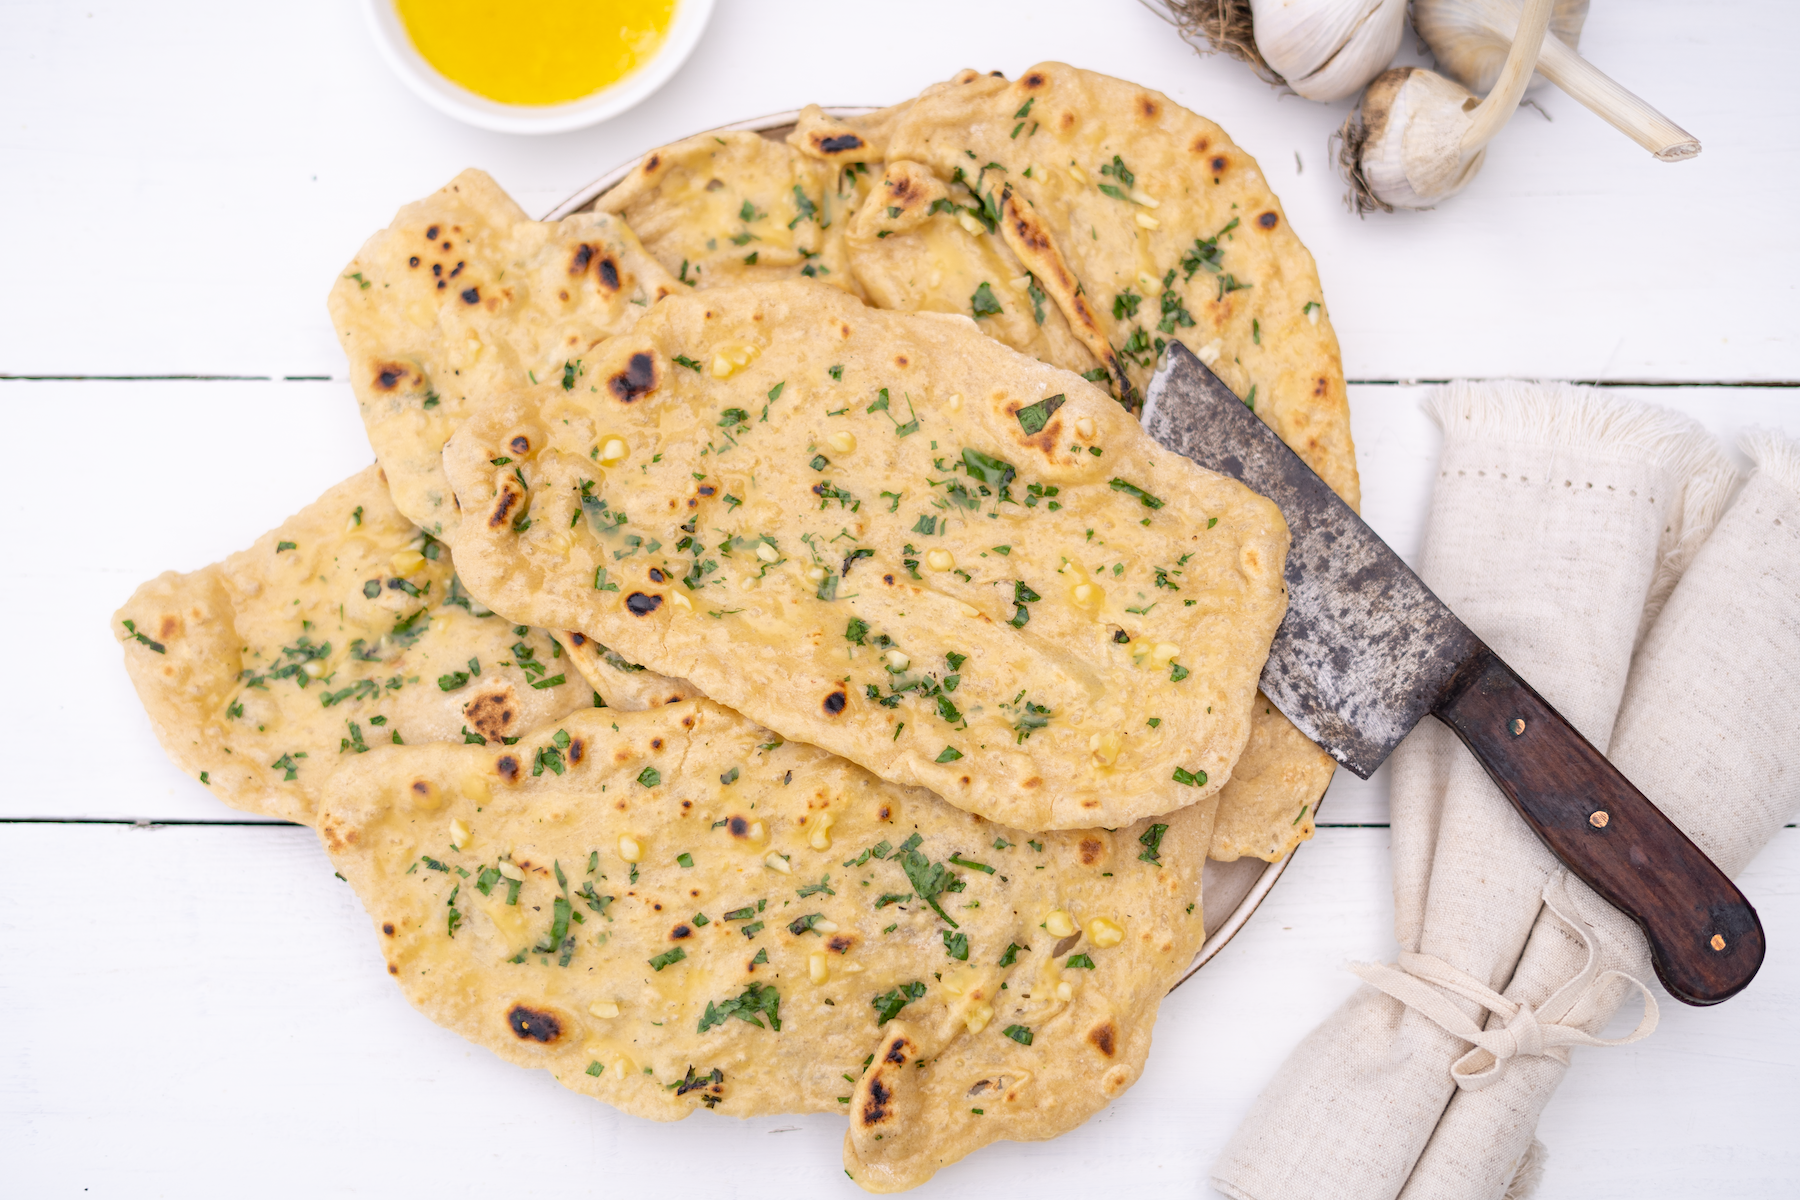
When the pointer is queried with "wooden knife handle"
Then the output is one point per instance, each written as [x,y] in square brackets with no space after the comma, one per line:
[1705,939]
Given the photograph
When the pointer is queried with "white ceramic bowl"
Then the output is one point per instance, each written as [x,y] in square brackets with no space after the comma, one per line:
[457,101]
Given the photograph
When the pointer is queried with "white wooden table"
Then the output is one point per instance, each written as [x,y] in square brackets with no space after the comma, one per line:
[198,1009]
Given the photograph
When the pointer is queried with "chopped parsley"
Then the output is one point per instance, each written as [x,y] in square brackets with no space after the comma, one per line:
[1151,840]
[1018,1033]
[757,1000]
[1033,417]
[888,1004]
[668,958]
[983,303]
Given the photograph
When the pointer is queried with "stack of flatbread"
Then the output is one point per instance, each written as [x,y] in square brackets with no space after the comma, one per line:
[768,667]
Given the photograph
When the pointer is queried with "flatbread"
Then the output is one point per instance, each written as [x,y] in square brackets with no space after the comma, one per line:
[621,682]
[1273,336]
[646,1001]
[731,208]
[263,673]
[845,140]
[1270,804]
[1105,615]
[464,293]
[1245,296]
[914,251]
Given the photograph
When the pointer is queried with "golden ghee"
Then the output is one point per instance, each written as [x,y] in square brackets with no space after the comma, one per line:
[536,51]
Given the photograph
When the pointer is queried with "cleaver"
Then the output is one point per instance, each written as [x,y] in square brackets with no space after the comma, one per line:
[1366,650]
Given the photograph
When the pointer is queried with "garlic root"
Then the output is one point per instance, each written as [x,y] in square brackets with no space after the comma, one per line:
[1215,27]
[1418,138]
[1467,36]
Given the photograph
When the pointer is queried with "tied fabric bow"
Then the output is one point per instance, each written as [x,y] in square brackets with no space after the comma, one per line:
[1421,981]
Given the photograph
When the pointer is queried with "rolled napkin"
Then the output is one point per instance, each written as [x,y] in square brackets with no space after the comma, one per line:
[1561,523]
[1714,677]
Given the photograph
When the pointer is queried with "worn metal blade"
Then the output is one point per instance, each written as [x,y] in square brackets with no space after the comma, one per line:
[1366,649]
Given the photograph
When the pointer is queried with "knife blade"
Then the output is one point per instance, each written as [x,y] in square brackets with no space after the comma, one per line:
[1366,651]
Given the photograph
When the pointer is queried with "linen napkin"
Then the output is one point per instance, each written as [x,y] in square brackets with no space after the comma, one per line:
[1567,528]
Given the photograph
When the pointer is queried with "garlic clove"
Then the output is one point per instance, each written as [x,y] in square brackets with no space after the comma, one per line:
[1328,49]
[1403,145]
[1418,138]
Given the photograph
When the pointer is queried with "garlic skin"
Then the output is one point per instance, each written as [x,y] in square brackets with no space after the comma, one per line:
[1470,39]
[1328,49]
[1464,38]
[1418,138]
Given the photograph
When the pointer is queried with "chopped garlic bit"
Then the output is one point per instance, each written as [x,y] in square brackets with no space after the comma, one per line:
[897,661]
[1084,427]
[314,668]
[730,358]
[1076,173]
[512,872]
[1147,221]
[817,574]
[940,560]
[970,223]
[826,926]
[1164,652]
[1059,924]
[613,452]
[630,849]
[820,839]
[459,833]
[757,831]
[816,969]
[1065,992]
[1087,595]
[767,552]
[954,404]
[1104,933]
[1151,284]
[681,601]
[979,1014]
[406,562]
[843,441]
[962,980]
[606,1010]
[1143,198]
[1209,353]
[1105,748]
[775,862]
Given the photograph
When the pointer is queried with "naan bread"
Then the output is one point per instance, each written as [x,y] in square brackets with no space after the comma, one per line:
[845,140]
[621,682]
[922,240]
[915,251]
[795,935]
[1144,222]
[730,208]
[464,293]
[873,506]
[341,630]
[1270,804]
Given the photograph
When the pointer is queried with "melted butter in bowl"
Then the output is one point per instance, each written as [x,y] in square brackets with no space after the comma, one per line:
[542,67]
[547,52]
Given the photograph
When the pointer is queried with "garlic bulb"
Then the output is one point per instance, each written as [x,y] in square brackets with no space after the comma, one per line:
[1418,138]
[1470,39]
[1460,34]
[1328,49]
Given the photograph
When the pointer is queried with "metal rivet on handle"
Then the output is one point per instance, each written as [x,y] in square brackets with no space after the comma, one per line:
[1599,819]
[1517,725]
[1718,941]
